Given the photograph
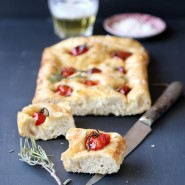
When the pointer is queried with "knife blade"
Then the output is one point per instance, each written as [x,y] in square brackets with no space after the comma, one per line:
[142,127]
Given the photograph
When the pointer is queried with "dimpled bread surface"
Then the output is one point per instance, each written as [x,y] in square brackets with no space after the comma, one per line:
[102,98]
[105,161]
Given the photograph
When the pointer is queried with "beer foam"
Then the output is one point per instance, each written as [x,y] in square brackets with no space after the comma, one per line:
[73,11]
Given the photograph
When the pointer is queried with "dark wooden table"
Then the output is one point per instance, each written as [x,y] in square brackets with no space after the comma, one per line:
[159,160]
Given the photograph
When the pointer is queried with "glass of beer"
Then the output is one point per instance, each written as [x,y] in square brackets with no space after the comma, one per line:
[73,17]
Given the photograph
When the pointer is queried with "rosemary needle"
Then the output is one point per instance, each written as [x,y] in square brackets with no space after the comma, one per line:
[34,155]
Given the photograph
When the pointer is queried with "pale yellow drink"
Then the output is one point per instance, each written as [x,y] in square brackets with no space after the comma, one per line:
[73,19]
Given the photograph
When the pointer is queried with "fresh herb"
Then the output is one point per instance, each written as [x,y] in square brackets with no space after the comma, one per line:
[55,77]
[116,88]
[93,134]
[67,181]
[80,75]
[34,155]
[44,111]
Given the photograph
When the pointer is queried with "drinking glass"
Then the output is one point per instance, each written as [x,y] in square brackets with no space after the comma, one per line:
[73,17]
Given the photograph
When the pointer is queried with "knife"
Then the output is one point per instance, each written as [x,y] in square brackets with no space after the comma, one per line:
[142,127]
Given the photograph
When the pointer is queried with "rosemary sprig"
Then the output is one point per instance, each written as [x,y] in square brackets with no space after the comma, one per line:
[34,155]
[55,77]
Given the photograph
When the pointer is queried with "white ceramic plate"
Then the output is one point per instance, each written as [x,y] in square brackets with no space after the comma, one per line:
[134,25]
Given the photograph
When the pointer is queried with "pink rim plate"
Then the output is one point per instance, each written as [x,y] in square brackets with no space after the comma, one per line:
[157,25]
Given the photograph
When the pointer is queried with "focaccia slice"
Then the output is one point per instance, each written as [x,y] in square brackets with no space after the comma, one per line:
[97,75]
[107,160]
[57,120]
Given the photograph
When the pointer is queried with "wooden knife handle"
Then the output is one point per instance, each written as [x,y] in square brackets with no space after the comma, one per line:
[166,100]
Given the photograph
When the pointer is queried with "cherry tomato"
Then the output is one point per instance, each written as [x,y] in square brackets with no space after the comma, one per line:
[90,82]
[121,69]
[124,89]
[78,50]
[64,90]
[121,54]
[39,117]
[96,140]
[67,71]
[94,70]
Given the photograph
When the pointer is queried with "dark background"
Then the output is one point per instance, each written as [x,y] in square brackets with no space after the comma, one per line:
[38,8]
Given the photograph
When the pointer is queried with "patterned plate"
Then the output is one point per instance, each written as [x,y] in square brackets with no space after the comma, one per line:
[134,25]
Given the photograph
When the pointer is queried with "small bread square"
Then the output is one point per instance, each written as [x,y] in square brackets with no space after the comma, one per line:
[57,121]
[97,75]
[77,158]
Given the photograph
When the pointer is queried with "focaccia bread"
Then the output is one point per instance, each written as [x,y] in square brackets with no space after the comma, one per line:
[54,120]
[98,75]
[79,158]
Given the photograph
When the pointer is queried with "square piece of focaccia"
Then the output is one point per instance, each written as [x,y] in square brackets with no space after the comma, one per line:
[44,120]
[98,75]
[93,151]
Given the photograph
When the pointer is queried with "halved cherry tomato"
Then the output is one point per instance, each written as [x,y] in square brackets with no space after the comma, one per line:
[121,54]
[90,82]
[78,50]
[67,71]
[125,89]
[64,90]
[121,69]
[39,117]
[94,70]
[96,140]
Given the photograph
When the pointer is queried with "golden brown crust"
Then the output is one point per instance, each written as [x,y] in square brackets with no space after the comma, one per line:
[56,123]
[75,157]
[102,99]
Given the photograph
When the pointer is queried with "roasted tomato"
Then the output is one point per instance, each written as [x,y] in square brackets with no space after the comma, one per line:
[125,89]
[79,50]
[96,140]
[64,90]
[90,82]
[67,71]
[94,70]
[121,54]
[39,117]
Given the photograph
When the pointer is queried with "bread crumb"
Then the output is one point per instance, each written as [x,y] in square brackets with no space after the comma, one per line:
[152,146]
[11,151]
[67,181]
